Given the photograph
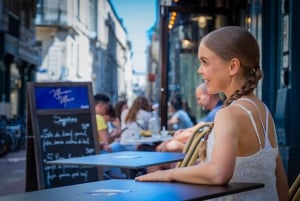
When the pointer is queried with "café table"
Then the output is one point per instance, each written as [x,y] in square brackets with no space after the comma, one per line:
[116,190]
[124,159]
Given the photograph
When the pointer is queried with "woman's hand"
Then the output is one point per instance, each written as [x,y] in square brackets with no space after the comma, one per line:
[163,175]
[105,147]
[161,146]
[115,133]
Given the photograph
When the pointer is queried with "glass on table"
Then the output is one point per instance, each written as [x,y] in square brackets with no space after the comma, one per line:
[164,132]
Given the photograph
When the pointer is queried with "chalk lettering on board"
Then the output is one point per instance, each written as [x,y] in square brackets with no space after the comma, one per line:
[89,151]
[75,174]
[80,134]
[64,121]
[66,136]
[62,175]
[60,132]
[62,96]
[67,172]
[84,174]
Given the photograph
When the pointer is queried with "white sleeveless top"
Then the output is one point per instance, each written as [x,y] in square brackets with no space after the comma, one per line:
[257,168]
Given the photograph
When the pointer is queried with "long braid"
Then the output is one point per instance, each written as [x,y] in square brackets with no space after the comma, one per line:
[254,76]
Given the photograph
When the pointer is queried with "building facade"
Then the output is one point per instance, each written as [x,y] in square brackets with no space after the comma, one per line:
[83,41]
[19,54]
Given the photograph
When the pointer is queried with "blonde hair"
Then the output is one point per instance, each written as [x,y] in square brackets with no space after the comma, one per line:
[139,103]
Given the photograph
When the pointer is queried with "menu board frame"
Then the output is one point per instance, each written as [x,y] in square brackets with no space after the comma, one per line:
[60,124]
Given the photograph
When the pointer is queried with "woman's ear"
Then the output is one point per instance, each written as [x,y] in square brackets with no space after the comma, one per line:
[234,66]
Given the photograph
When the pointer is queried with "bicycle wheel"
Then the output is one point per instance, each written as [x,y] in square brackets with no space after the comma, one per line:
[4,143]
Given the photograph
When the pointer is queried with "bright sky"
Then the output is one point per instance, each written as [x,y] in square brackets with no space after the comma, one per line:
[138,17]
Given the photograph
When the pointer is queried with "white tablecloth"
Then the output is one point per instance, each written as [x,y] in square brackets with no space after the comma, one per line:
[130,138]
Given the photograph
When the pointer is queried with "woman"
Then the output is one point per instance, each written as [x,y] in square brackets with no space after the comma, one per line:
[138,115]
[179,117]
[135,119]
[113,123]
[242,146]
[120,106]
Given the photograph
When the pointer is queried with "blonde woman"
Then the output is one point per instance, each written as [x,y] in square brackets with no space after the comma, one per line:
[242,146]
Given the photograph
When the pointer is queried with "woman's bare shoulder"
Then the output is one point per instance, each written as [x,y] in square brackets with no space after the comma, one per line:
[230,113]
[230,119]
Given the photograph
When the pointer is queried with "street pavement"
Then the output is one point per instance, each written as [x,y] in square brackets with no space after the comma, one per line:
[12,173]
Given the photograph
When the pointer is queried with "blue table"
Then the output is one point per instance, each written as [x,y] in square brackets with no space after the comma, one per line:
[127,190]
[125,159]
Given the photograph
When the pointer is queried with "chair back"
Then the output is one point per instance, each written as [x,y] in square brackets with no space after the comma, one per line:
[193,145]
[294,191]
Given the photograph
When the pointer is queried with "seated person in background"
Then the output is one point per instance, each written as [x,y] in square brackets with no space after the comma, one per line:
[179,117]
[102,103]
[138,115]
[119,107]
[179,120]
[113,123]
[208,102]
[106,140]
[187,108]
[135,118]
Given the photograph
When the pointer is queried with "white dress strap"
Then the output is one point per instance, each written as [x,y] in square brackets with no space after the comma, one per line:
[252,121]
[253,103]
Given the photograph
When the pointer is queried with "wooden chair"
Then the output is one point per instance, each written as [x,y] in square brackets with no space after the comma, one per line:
[294,191]
[193,145]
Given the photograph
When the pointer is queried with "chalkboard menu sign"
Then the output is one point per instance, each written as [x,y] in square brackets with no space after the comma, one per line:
[61,124]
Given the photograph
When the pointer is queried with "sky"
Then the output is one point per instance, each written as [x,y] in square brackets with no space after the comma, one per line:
[138,17]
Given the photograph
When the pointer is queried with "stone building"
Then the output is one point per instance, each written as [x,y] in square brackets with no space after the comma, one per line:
[19,54]
[83,41]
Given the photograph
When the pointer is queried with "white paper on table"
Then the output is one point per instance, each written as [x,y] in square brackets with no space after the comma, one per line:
[106,192]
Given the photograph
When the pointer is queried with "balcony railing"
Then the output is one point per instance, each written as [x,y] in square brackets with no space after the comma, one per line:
[53,17]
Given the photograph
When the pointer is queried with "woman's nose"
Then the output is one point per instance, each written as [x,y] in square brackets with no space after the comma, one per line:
[199,71]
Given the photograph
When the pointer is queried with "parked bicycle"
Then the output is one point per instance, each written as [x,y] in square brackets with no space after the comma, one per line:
[4,143]
[12,134]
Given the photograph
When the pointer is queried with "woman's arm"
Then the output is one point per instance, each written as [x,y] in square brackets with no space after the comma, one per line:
[219,169]
[281,180]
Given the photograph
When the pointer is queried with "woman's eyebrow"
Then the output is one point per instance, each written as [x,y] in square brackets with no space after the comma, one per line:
[202,58]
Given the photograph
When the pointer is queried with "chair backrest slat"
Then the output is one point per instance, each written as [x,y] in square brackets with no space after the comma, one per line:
[193,145]
[294,191]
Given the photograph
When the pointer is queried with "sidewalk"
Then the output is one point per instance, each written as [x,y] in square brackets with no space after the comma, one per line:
[12,173]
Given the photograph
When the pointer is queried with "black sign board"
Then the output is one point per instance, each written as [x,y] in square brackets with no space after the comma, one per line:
[60,125]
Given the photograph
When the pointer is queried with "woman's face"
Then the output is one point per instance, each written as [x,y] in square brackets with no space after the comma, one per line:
[171,109]
[213,70]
